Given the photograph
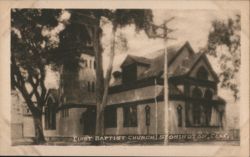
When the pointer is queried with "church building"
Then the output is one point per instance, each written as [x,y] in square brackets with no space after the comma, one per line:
[136,103]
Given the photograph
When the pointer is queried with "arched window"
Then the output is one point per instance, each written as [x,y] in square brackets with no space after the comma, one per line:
[147,113]
[179,114]
[202,74]
[50,115]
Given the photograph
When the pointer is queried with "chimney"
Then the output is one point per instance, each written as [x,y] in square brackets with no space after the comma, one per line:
[117,75]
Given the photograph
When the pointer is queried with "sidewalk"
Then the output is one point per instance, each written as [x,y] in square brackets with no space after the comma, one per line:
[29,141]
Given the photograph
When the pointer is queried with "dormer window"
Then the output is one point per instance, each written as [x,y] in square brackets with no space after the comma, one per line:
[129,73]
[202,74]
[133,67]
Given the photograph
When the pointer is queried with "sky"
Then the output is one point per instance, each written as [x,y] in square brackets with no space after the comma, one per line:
[190,25]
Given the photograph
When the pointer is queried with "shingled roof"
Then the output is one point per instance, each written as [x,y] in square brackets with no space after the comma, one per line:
[137,59]
[157,63]
[186,65]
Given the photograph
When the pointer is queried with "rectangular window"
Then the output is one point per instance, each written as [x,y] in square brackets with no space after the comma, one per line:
[86,63]
[89,88]
[93,86]
[110,117]
[94,64]
[130,116]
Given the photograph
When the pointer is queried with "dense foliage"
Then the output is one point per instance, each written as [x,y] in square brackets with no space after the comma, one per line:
[40,38]
[224,43]
[29,58]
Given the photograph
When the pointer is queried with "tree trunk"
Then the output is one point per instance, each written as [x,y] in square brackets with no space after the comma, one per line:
[99,80]
[35,110]
[102,97]
[108,76]
[39,136]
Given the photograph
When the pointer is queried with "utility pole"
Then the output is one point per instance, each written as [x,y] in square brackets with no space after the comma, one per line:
[164,35]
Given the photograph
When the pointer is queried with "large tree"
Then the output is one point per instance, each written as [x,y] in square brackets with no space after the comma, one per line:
[224,44]
[29,58]
[91,19]
[32,51]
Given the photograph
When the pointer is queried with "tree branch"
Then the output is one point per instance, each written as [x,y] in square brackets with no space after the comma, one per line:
[34,84]
[21,85]
[43,88]
[16,71]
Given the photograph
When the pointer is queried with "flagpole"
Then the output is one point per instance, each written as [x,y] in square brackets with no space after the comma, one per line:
[165,37]
[156,111]
[166,92]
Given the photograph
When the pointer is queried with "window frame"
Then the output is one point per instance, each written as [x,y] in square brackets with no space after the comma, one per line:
[130,112]
[179,115]
[147,115]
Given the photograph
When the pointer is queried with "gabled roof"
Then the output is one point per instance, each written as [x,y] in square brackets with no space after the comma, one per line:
[173,51]
[203,56]
[186,65]
[136,59]
[156,65]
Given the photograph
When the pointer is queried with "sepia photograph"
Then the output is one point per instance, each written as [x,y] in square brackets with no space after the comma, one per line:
[124,78]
